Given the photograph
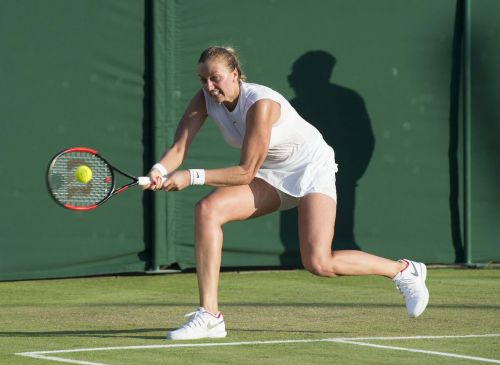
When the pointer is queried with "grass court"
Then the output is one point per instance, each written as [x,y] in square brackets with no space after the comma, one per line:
[281,317]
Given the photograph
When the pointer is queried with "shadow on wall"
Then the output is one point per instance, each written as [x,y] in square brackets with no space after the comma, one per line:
[340,115]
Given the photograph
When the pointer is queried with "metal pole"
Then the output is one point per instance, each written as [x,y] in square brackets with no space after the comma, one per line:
[467,132]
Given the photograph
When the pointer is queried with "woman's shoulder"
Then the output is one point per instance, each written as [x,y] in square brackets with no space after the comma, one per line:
[256,92]
[253,87]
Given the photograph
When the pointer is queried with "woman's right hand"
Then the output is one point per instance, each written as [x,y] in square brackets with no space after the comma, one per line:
[156,180]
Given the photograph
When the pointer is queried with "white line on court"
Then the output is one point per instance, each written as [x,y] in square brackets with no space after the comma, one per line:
[438,353]
[350,341]
[416,337]
[35,355]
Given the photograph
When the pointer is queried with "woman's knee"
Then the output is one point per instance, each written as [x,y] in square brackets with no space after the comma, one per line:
[205,208]
[319,266]
[210,210]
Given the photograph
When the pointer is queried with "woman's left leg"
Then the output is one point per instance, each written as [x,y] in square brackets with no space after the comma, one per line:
[316,221]
[317,214]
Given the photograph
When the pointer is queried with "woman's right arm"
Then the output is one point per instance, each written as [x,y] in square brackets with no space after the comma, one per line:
[189,125]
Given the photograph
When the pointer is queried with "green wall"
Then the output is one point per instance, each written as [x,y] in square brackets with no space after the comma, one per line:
[116,75]
[72,75]
[485,154]
[390,84]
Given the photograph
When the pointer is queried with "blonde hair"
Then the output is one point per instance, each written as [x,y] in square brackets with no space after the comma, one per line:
[228,54]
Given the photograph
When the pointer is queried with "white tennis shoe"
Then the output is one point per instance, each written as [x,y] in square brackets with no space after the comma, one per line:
[411,283]
[201,324]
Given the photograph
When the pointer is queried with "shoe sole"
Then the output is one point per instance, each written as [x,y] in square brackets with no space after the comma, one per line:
[211,335]
[424,275]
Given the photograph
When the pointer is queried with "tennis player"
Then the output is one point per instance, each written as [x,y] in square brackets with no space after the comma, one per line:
[284,163]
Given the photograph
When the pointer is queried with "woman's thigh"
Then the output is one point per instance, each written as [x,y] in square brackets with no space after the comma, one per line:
[316,225]
[241,202]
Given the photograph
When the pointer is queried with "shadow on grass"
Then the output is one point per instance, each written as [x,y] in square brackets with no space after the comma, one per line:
[133,333]
[136,333]
[260,305]
[288,331]
[272,305]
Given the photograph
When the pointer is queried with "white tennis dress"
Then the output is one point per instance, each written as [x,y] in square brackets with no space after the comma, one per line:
[298,161]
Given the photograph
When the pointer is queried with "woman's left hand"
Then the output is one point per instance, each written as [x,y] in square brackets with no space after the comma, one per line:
[177,181]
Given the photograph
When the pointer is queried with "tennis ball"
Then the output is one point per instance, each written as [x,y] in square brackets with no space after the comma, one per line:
[83,174]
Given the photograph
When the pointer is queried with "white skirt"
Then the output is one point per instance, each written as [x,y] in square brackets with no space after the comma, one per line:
[311,169]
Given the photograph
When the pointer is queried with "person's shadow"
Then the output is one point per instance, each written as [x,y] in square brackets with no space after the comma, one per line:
[341,116]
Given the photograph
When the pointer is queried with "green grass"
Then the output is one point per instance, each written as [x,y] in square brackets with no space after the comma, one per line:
[257,306]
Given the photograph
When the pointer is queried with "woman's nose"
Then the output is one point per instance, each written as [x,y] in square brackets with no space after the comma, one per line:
[209,85]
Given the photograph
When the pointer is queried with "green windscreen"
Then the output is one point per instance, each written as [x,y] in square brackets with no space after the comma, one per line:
[381,80]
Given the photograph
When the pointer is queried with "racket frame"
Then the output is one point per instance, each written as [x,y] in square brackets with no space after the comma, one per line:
[113,190]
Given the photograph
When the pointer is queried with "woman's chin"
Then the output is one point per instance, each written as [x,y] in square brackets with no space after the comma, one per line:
[219,99]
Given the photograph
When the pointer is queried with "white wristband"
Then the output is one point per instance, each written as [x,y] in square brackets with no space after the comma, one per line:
[158,166]
[197,176]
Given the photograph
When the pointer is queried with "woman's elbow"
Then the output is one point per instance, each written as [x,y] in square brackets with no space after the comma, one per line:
[248,175]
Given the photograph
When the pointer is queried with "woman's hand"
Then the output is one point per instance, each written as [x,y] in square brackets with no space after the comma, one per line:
[177,181]
[156,180]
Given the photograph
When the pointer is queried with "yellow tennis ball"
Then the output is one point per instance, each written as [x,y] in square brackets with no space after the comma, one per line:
[83,174]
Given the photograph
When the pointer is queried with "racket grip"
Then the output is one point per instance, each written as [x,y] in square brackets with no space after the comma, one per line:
[143,180]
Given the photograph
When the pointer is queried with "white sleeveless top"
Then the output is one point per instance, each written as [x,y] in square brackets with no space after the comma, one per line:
[298,161]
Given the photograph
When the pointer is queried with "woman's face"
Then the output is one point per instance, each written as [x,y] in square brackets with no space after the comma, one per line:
[220,82]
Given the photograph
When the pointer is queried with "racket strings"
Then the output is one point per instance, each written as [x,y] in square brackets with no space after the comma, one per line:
[68,190]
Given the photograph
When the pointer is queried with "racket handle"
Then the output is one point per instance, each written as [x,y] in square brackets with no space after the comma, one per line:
[143,180]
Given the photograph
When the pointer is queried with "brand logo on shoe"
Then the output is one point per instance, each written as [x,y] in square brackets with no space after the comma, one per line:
[415,272]
[211,326]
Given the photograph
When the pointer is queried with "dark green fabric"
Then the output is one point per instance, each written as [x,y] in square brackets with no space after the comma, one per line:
[381,80]
[384,109]
[485,179]
[72,75]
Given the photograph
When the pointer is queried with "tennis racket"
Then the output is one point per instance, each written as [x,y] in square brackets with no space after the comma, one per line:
[80,179]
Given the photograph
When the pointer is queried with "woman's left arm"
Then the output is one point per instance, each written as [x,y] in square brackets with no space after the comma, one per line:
[259,123]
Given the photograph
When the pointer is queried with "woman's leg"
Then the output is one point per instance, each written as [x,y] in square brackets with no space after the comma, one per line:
[316,228]
[223,205]
[316,221]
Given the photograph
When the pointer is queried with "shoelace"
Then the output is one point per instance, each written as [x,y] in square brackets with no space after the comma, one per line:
[196,319]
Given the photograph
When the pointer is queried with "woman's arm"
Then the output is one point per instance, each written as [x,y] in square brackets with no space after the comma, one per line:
[189,125]
[260,119]
[259,123]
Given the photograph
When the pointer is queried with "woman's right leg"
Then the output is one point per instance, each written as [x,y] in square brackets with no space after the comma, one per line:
[317,213]
[223,205]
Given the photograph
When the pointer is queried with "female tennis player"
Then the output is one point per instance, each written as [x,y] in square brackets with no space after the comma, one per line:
[284,163]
